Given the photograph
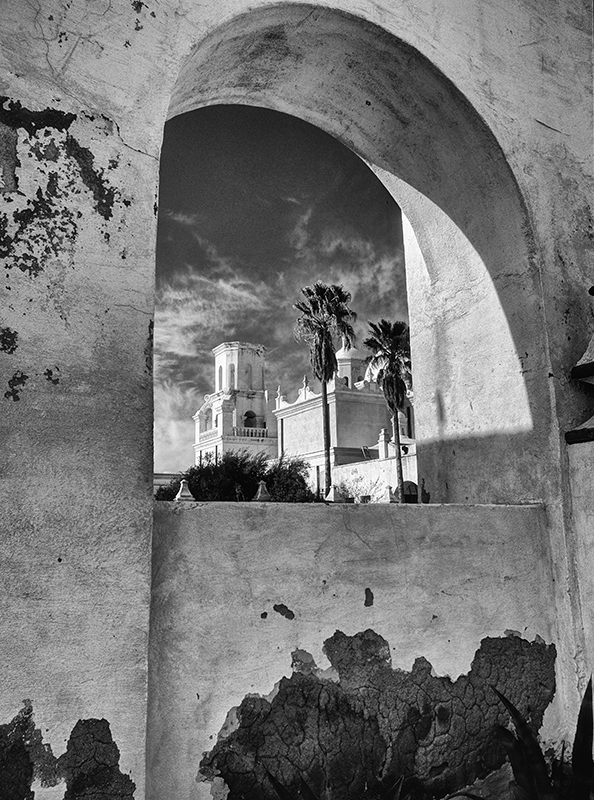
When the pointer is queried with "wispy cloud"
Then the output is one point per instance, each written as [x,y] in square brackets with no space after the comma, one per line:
[299,236]
[174,428]
[185,314]
[189,220]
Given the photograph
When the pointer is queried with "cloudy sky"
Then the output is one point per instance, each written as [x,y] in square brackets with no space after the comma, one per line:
[254,205]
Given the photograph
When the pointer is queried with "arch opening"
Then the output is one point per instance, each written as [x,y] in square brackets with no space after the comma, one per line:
[470,270]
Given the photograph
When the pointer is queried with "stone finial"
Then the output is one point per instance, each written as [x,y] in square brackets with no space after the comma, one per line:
[184,494]
[334,495]
[389,496]
[262,495]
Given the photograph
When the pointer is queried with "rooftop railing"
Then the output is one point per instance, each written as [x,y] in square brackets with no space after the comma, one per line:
[252,433]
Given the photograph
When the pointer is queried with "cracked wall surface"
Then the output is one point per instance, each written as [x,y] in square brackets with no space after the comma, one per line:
[89,769]
[88,87]
[347,735]
[442,580]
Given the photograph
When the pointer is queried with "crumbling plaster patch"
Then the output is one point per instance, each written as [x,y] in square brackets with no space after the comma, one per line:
[377,723]
[442,577]
[89,767]
[68,192]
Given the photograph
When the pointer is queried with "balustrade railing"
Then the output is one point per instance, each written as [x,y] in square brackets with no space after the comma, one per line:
[254,433]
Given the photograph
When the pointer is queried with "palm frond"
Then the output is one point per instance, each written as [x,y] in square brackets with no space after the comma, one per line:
[324,316]
[389,364]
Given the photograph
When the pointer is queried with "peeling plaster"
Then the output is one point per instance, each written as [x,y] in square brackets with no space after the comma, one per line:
[23,757]
[103,194]
[89,767]
[90,764]
[49,375]
[282,609]
[18,379]
[42,224]
[15,116]
[8,340]
[377,723]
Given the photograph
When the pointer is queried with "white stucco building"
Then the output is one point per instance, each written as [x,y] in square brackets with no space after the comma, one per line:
[240,415]
[360,426]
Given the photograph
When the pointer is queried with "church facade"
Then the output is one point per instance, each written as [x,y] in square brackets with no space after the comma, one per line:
[240,415]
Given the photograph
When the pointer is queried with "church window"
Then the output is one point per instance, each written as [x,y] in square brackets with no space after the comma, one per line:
[248,376]
[249,420]
[232,376]
[220,379]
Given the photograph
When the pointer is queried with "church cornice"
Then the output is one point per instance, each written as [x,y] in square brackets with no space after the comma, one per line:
[258,349]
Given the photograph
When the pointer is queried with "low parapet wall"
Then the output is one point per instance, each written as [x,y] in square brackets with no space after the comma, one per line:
[237,588]
[373,477]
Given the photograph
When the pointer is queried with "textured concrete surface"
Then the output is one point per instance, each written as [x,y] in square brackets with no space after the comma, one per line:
[431,580]
[477,117]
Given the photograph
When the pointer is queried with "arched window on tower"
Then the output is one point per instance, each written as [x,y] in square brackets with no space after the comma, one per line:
[208,419]
[220,379]
[248,376]
[249,419]
[232,376]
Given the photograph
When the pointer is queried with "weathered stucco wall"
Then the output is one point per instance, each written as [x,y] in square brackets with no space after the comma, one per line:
[581,470]
[237,588]
[374,476]
[482,112]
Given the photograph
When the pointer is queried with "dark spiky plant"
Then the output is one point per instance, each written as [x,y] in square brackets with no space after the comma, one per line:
[387,789]
[389,365]
[532,778]
[325,316]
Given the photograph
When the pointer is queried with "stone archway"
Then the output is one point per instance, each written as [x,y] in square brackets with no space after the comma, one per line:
[482,401]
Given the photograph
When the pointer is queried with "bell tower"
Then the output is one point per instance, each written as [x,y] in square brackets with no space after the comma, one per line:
[238,414]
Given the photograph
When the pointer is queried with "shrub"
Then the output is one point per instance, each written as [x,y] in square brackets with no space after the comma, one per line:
[168,491]
[286,480]
[235,477]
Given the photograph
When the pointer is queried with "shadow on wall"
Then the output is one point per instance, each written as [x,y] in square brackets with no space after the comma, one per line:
[445,479]
[343,733]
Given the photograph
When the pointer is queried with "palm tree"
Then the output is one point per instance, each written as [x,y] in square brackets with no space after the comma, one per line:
[324,315]
[389,365]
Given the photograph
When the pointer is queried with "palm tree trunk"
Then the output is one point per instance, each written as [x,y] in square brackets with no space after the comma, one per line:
[399,474]
[326,436]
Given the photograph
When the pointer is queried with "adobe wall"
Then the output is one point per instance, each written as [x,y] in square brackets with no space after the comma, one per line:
[88,89]
[238,587]
[374,476]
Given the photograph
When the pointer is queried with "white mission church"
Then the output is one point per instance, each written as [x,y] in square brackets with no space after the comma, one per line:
[241,415]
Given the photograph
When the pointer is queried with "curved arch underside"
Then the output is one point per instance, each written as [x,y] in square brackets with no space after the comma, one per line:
[479,348]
